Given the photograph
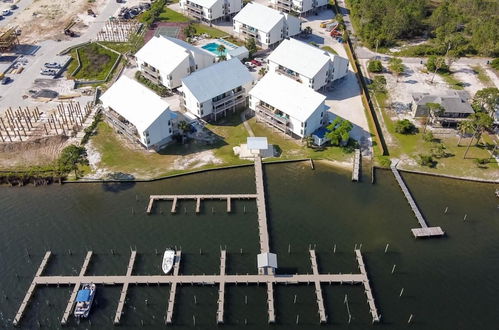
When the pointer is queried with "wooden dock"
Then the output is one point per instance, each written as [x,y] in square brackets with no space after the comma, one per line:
[367,287]
[198,198]
[31,289]
[424,231]
[173,288]
[356,166]
[221,289]
[270,301]
[262,209]
[318,290]
[221,279]
[124,289]
[77,285]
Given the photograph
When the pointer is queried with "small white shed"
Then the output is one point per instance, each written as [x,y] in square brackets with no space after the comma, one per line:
[267,263]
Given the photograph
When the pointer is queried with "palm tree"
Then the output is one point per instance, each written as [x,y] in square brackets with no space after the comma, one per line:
[479,122]
[183,126]
[221,49]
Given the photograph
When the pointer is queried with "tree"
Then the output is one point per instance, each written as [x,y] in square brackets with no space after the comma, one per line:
[405,126]
[71,157]
[486,100]
[378,84]
[396,66]
[428,136]
[495,63]
[251,46]
[339,131]
[435,110]
[309,140]
[262,72]
[426,160]
[374,66]
[478,123]
[221,49]
[436,64]
[184,127]
[190,31]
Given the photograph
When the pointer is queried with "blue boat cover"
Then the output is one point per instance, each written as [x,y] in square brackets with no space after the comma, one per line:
[83,295]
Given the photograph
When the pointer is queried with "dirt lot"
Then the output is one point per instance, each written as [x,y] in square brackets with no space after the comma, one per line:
[46,19]
[33,153]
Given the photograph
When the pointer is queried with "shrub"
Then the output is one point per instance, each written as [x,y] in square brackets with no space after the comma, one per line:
[378,84]
[428,136]
[405,126]
[374,66]
[427,160]
[481,161]
[159,89]
[495,63]
[437,63]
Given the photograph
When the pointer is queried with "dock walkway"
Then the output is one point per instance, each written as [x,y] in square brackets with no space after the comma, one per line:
[221,279]
[262,209]
[197,198]
[356,166]
[424,231]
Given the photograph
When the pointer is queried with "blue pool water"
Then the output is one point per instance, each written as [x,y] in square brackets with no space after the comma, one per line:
[212,47]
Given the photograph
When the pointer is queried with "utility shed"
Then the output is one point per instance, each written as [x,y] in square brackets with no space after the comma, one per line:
[267,263]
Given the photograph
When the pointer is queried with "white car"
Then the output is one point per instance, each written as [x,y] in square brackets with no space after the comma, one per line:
[6,12]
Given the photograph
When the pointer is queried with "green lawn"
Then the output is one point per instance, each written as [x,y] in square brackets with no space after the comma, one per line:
[120,47]
[169,15]
[410,146]
[96,62]
[482,76]
[452,81]
[213,32]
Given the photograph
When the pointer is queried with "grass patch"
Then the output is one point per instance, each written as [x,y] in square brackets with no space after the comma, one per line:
[482,76]
[120,47]
[329,49]
[96,62]
[169,15]
[452,81]
[213,32]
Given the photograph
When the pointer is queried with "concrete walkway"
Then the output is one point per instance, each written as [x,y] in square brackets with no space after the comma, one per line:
[246,124]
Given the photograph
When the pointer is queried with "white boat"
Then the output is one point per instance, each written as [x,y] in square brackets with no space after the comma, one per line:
[168,260]
[84,300]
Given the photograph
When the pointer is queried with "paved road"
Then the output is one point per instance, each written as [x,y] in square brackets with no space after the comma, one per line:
[11,95]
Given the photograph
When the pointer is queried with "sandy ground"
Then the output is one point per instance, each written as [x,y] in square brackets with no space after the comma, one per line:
[46,19]
[196,160]
[25,156]
[467,75]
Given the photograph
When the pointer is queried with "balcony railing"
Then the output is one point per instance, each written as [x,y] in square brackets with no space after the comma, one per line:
[194,10]
[289,74]
[272,118]
[249,31]
[228,98]
[122,126]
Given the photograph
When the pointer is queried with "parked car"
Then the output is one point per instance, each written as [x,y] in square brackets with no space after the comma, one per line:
[13,7]
[6,80]
[53,65]
[6,12]
[256,63]
[48,72]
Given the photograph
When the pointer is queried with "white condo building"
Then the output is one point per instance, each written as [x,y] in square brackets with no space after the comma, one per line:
[266,25]
[166,61]
[211,10]
[210,92]
[288,105]
[307,64]
[138,113]
[302,7]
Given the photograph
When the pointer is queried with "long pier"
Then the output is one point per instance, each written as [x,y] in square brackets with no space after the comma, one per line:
[221,279]
[424,231]
[356,166]
[77,285]
[262,209]
[173,288]
[318,289]
[124,290]
[197,198]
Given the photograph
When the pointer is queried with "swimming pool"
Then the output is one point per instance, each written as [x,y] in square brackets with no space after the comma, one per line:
[213,48]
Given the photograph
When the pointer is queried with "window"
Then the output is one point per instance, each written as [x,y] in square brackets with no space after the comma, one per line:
[169,123]
[322,114]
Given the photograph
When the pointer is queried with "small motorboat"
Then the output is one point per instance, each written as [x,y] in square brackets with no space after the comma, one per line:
[84,300]
[168,260]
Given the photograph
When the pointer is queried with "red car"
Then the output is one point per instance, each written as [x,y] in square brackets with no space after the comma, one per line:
[255,62]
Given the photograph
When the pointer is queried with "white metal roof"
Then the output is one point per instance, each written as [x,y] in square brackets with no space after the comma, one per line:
[267,259]
[257,143]
[241,50]
[288,95]
[300,57]
[216,79]
[205,3]
[165,53]
[259,16]
[135,102]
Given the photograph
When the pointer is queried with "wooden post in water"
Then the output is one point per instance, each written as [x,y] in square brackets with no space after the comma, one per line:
[393,269]
[401,292]
[386,248]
